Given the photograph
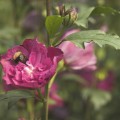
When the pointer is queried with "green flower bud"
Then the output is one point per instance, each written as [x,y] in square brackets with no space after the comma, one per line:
[74,14]
[69,15]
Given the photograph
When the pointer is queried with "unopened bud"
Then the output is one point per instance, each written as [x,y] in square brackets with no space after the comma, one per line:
[62,10]
[73,14]
[70,16]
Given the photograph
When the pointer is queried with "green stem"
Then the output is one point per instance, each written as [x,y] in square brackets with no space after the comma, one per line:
[46,101]
[42,99]
[48,14]
[47,86]
[48,7]
[30,108]
[15,16]
[47,89]
[38,12]
[88,110]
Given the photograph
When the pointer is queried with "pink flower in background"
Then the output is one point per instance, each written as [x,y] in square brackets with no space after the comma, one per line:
[30,65]
[21,118]
[106,84]
[58,101]
[57,106]
[78,58]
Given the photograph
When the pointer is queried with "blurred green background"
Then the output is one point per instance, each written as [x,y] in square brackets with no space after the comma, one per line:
[21,19]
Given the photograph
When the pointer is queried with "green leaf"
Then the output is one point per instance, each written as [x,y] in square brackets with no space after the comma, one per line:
[9,33]
[13,96]
[97,97]
[3,108]
[85,12]
[53,24]
[96,36]
[74,78]
[83,16]
[104,10]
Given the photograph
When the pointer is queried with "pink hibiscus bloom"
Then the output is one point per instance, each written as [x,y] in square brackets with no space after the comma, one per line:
[78,58]
[30,65]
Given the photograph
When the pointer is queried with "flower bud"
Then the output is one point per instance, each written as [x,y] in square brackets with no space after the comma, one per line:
[62,10]
[70,16]
[73,14]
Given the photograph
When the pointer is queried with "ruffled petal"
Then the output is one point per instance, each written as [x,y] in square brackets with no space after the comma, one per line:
[78,58]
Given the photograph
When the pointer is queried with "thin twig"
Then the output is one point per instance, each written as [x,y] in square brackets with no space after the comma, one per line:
[47,86]
[46,102]
[48,14]
[48,7]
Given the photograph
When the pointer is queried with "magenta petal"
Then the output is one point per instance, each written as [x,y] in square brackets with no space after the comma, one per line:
[55,53]
[31,44]
[38,52]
